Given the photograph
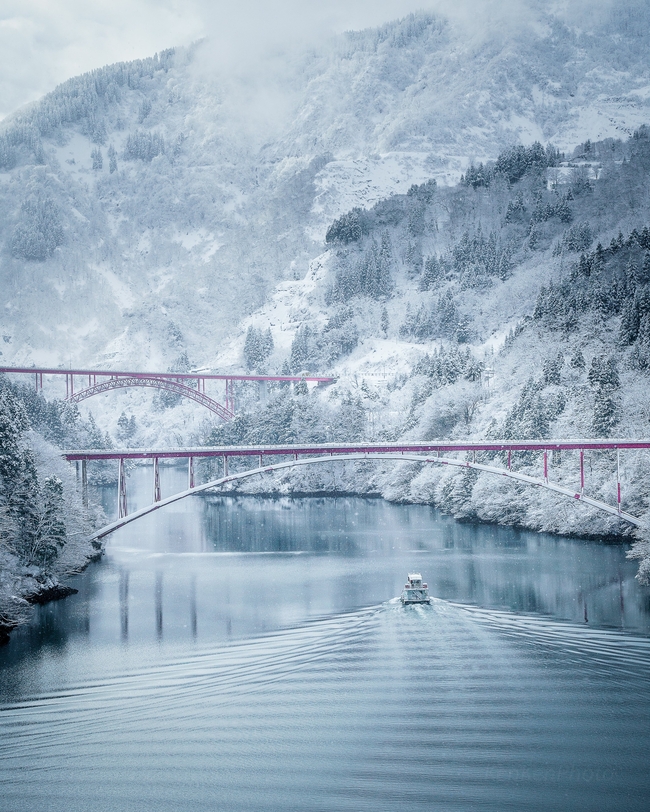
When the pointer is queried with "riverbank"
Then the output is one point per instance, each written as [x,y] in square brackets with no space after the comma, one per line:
[45,519]
[22,588]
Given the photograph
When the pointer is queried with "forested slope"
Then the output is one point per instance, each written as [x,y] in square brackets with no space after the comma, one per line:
[513,305]
[44,524]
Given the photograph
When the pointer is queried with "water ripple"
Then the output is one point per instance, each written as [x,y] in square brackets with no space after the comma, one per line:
[441,707]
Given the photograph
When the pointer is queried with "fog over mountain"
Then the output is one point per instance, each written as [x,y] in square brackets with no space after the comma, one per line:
[187,236]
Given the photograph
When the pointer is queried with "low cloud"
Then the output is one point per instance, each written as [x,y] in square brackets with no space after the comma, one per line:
[43,43]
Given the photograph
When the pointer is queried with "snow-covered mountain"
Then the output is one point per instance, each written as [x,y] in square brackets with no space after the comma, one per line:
[148,208]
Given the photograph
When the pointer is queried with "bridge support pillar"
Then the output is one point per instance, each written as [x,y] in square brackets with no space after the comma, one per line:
[546,466]
[230,395]
[225,465]
[156,480]
[84,482]
[121,490]
[263,392]
[509,460]
[582,471]
[190,472]
[618,479]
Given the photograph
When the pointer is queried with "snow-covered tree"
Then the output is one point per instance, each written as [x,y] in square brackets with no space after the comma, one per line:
[112,159]
[39,231]
[97,159]
[258,347]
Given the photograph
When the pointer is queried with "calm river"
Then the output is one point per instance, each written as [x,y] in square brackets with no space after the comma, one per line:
[249,654]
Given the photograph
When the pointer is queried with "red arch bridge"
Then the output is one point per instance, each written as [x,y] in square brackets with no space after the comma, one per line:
[270,458]
[81,384]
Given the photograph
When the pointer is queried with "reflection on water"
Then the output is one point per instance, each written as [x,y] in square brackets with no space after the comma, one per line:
[245,654]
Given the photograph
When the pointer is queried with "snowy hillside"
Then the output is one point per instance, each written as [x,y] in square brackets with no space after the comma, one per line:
[515,304]
[149,207]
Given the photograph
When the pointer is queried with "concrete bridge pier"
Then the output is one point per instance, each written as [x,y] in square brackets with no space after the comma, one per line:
[263,392]
[156,481]
[122,510]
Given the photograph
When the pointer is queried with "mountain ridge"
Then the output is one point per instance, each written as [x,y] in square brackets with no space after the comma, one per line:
[210,187]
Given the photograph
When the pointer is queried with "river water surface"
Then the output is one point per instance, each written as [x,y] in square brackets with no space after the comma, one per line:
[249,654]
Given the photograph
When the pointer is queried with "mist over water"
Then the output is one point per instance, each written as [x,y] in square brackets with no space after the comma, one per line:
[241,653]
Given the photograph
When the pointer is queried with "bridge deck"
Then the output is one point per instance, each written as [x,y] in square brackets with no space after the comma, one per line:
[354,448]
[204,376]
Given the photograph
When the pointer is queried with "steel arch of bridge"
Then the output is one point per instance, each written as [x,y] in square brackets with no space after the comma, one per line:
[613,510]
[169,385]
[178,382]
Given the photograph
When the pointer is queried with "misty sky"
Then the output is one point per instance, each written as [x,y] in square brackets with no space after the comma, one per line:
[44,42]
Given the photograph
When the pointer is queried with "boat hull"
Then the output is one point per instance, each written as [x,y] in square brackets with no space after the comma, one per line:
[408,600]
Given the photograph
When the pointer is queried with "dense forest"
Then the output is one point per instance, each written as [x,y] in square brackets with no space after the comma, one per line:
[44,523]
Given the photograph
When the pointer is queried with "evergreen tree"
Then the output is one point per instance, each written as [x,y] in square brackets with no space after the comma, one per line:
[630,322]
[145,109]
[31,518]
[603,377]
[13,422]
[640,357]
[351,425]
[251,348]
[340,336]
[126,427]
[24,506]
[578,360]
[95,438]
[552,368]
[529,418]
[40,231]
[166,399]
[143,146]
[448,316]
[645,273]
[603,373]
[112,159]
[348,228]
[306,350]
[384,322]
[370,277]
[258,346]
[97,159]
[122,425]
[384,283]
[275,423]
[300,387]
[52,535]
[606,413]
[433,273]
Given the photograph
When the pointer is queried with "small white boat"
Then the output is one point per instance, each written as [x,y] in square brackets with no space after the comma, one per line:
[414,590]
